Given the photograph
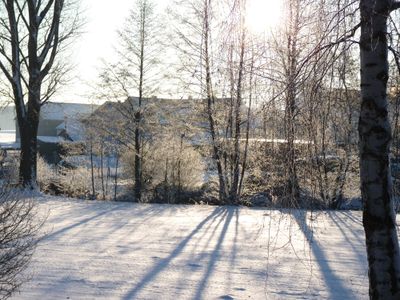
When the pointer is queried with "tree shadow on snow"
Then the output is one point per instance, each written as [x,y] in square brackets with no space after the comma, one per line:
[141,214]
[345,224]
[79,223]
[333,282]
[221,216]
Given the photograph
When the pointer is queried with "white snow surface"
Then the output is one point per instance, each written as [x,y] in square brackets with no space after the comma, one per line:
[107,250]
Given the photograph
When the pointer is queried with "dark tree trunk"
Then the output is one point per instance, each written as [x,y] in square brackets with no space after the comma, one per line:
[138,167]
[116,176]
[379,218]
[138,113]
[102,169]
[92,169]
[292,186]
[246,145]
[29,128]
[28,132]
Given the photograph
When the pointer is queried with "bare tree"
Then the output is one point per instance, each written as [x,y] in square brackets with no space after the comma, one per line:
[135,74]
[328,112]
[32,35]
[289,69]
[215,45]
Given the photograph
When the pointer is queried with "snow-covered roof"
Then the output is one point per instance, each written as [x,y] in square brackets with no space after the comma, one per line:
[7,140]
[50,139]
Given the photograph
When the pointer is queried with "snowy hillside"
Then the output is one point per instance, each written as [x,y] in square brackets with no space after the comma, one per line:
[97,250]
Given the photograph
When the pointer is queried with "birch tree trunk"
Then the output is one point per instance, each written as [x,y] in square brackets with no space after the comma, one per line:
[379,218]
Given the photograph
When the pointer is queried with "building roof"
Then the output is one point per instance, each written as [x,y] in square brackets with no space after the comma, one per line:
[62,111]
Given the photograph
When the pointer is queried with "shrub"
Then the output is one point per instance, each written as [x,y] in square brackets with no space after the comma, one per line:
[46,174]
[18,238]
[58,180]
[172,168]
[75,183]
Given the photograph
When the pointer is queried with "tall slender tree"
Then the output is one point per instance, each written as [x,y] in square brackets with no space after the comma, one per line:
[134,79]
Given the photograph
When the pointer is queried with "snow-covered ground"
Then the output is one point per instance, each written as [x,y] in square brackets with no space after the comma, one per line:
[98,250]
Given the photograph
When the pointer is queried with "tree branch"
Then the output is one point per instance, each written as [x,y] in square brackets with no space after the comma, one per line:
[395,5]
[52,41]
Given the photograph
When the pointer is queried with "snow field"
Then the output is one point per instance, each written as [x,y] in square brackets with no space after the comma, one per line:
[106,250]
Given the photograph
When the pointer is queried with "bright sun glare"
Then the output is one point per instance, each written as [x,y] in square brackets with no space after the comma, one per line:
[264,15]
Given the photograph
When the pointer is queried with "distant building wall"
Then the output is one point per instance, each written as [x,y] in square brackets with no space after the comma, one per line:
[7,118]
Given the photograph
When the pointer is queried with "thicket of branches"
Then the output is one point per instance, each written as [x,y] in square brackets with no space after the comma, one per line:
[275,116]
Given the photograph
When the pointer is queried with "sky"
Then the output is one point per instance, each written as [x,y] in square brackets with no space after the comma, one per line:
[99,37]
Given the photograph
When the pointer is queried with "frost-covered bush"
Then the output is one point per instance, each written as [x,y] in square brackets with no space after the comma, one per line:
[175,162]
[58,180]
[76,182]
[46,174]
[171,166]
[55,180]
